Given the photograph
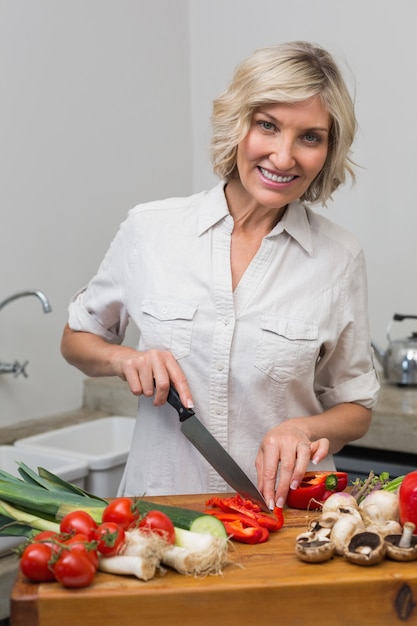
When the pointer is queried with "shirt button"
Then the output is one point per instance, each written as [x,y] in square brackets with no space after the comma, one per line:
[219,366]
[164,310]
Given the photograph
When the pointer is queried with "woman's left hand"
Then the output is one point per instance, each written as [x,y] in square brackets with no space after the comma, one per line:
[288,447]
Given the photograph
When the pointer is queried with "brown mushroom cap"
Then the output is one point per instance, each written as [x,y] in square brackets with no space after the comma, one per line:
[315,551]
[365,548]
[399,553]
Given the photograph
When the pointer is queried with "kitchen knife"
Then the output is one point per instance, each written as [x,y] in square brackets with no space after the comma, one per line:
[214,453]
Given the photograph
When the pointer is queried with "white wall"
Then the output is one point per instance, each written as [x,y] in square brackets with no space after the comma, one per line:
[376,43]
[94,118]
[106,103]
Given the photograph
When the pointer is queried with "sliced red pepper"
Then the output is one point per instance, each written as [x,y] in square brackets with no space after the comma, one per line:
[271,522]
[237,504]
[241,528]
[315,488]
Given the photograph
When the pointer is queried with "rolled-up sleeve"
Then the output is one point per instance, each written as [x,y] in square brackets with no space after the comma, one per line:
[347,373]
[100,307]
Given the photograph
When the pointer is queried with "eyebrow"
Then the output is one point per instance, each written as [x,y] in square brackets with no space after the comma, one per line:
[308,128]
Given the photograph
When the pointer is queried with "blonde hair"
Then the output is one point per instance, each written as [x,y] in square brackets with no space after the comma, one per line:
[286,73]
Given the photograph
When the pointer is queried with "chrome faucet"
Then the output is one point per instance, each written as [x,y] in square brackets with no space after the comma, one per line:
[29,292]
[17,368]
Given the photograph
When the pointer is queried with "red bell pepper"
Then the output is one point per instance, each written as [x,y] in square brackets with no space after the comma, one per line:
[315,488]
[407,499]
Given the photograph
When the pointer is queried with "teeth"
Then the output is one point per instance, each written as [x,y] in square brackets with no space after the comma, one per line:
[275,178]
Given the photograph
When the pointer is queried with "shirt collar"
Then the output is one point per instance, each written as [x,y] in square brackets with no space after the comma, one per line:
[213,208]
[296,223]
[295,220]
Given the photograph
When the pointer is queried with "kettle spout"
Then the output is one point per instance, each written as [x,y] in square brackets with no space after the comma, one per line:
[378,353]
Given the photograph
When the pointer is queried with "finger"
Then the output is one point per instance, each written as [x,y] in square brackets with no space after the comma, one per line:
[292,470]
[180,383]
[302,459]
[267,468]
[131,375]
[319,450]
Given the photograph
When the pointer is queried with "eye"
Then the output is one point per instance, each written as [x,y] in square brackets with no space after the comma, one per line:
[311,137]
[266,125]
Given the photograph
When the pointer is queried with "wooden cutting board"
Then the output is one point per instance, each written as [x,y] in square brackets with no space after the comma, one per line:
[262,585]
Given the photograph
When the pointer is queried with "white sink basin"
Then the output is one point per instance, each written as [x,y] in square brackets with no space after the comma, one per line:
[103,444]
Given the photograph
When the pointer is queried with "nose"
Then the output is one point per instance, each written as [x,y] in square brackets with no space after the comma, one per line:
[283,154]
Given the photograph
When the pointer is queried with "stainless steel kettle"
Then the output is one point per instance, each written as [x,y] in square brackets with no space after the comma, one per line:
[399,360]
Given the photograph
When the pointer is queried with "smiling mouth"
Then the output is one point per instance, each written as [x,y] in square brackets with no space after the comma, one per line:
[275,178]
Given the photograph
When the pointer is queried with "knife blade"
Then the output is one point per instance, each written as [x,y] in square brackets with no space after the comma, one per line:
[214,453]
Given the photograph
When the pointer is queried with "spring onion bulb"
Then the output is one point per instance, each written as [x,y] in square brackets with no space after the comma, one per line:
[196,554]
[142,568]
[145,545]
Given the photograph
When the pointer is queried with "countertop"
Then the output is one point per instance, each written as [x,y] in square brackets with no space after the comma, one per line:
[263,584]
[394,421]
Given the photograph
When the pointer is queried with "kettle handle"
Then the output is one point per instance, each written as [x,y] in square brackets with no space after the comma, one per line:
[398,317]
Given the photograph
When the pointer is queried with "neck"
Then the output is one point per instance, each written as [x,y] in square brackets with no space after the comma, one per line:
[247,213]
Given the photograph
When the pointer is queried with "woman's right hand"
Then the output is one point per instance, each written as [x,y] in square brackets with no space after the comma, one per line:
[153,371]
[149,372]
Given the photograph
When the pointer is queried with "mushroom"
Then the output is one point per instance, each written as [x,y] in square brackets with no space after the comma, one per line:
[343,529]
[315,550]
[402,547]
[316,533]
[365,548]
[339,500]
[389,527]
[314,545]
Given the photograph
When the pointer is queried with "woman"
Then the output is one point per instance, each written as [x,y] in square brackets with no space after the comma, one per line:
[252,305]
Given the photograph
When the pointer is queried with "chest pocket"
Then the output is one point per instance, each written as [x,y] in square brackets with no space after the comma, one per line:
[287,348]
[167,325]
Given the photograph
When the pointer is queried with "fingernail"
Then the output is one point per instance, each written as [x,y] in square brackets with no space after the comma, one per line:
[271,505]
[190,404]
[294,484]
[315,460]
[280,502]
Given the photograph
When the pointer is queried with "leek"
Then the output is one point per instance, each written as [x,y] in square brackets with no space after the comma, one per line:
[40,501]
[27,519]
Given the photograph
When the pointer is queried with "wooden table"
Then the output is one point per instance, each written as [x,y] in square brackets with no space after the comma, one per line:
[264,585]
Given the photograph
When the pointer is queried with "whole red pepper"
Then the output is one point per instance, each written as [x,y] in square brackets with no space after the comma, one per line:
[315,488]
[407,499]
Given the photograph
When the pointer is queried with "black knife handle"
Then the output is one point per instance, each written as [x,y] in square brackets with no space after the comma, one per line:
[174,400]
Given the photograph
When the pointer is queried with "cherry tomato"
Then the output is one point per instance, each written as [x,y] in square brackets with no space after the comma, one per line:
[45,534]
[158,522]
[82,544]
[77,522]
[110,538]
[120,512]
[49,538]
[74,569]
[35,562]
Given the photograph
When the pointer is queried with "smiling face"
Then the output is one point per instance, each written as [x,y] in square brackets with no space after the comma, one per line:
[283,152]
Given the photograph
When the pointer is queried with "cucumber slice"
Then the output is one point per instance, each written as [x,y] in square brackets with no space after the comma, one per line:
[210,525]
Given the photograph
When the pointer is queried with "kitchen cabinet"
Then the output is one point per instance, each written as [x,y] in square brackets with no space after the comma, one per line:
[263,584]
